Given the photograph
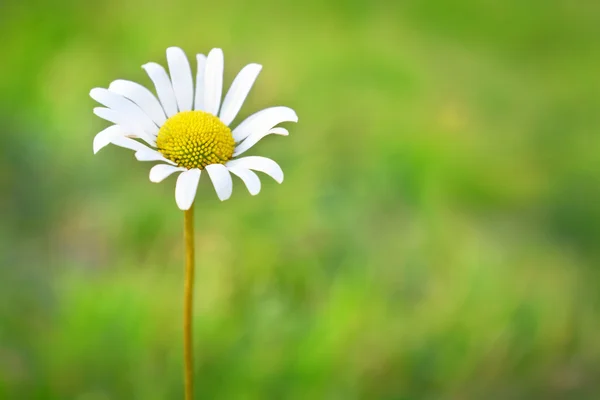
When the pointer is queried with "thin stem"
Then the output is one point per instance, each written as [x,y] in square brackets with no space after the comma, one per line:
[188,303]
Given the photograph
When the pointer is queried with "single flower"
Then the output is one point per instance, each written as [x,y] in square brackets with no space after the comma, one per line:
[187,128]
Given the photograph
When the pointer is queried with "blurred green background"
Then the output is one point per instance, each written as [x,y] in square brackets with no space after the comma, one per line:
[437,235]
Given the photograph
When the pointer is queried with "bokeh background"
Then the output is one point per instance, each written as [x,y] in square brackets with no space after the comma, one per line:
[437,235]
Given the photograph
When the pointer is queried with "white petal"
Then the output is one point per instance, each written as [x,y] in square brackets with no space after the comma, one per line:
[129,127]
[124,107]
[114,117]
[264,120]
[106,136]
[279,131]
[161,171]
[164,90]
[255,137]
[107,114]
[261,164]
[221,179]
[128,143]
[181,78]
[238,92]
[199,99]
[185,189]
[250,178]
[142,97]
[151,155]
[213,81]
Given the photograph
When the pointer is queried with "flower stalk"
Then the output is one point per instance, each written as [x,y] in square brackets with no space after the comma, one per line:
[188,303]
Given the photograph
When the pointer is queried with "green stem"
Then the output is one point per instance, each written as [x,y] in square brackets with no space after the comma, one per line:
[188,303]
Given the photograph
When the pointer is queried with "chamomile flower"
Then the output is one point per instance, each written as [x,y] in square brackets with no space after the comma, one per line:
[187,129]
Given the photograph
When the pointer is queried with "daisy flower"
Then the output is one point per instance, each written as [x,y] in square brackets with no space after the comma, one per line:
[187,129]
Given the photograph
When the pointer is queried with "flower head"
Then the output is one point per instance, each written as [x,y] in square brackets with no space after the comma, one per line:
[187,128]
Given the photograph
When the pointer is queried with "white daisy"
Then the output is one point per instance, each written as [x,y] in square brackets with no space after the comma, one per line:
[188,130]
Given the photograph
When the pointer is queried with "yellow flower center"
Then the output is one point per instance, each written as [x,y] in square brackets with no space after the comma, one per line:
[195,139]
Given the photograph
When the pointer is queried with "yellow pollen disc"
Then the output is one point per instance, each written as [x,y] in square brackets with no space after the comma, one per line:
[195,139]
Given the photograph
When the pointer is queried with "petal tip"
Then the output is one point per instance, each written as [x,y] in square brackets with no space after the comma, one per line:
[174,51]
[216,52]
[97,146]
[153,178]
[94,93]
[278,176]
[183,207]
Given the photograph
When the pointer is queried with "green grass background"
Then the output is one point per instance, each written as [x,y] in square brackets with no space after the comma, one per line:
[437,235]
